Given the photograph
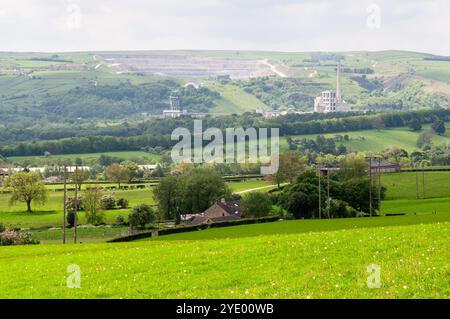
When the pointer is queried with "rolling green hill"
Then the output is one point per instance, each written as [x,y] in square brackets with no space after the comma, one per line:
[327,264]
[379,140]
[31,82]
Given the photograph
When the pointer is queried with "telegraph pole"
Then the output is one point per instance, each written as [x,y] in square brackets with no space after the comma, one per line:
[65,204]
[423,180]
[320,199]
[75,207]
[416,165]
[379,184]
[370,186]
[328,190]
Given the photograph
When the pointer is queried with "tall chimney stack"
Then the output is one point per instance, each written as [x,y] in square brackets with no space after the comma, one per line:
[338,83]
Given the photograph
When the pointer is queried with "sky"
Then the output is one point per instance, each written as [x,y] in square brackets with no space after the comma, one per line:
[275,25]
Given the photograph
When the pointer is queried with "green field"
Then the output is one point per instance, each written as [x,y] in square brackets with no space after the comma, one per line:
[403,185]
[332,264]
[33,86]
[284,259]
[379,140]
[50,214]
[126,155]
[235,100]
[307,226]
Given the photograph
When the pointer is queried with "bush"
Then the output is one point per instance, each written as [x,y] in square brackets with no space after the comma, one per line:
[95,219]
[298,205]
[256,204]
[281,212]
[70,204]
[15,237]
[338,208]
[120,220]
[26,238]
[140,216]
[71,218]
[107,202]
[122,203]
[8,237]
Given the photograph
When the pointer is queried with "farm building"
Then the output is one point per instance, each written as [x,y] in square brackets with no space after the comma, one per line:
[376,167]
[220,211]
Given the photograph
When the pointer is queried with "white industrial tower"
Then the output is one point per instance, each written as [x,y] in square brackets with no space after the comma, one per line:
[330,101]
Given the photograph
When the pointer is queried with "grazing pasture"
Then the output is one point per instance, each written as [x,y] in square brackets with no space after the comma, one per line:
[413,263]
[379,140]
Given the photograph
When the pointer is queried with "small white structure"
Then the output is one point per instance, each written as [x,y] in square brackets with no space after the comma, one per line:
[273,114]
[175,108]
[150,167]
[173,113]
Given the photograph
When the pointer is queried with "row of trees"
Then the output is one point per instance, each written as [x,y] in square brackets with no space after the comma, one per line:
[345,193]
[156,133]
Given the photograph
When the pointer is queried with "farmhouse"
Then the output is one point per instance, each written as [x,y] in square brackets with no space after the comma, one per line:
[220,211]
[4,173]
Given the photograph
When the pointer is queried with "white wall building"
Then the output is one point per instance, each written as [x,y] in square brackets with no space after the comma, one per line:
[330,101]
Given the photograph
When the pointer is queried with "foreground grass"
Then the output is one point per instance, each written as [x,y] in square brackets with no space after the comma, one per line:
[84,234]
[417,206]
[304,226]
[413,261]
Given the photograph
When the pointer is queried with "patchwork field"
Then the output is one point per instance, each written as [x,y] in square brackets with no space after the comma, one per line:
[126,155]
[50,214]
[403,185]
[413,263]
[379,140]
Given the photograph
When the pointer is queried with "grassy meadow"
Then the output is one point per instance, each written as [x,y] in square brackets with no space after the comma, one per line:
[50,214]
[126,155]
[284,259]
[329,264]
[379,140]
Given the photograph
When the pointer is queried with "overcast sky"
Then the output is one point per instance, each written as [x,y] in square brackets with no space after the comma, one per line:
[279,25]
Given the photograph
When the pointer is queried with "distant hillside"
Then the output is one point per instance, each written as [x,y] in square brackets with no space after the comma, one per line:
[62,87]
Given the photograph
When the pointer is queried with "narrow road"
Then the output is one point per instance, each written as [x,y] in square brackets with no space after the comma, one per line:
[273,68]
[258,188]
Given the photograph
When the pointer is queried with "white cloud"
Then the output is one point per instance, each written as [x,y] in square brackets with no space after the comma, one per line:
[286,25]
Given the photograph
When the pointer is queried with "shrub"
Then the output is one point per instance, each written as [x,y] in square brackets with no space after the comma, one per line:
[26,238]
[338,208]
[140,216]
[120,220]
[122,203]
[107,202]
[298,204]
[256,204]
[71,218]
[8,237]
[280,211]
[70,204]
[92,197]
[15,237]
